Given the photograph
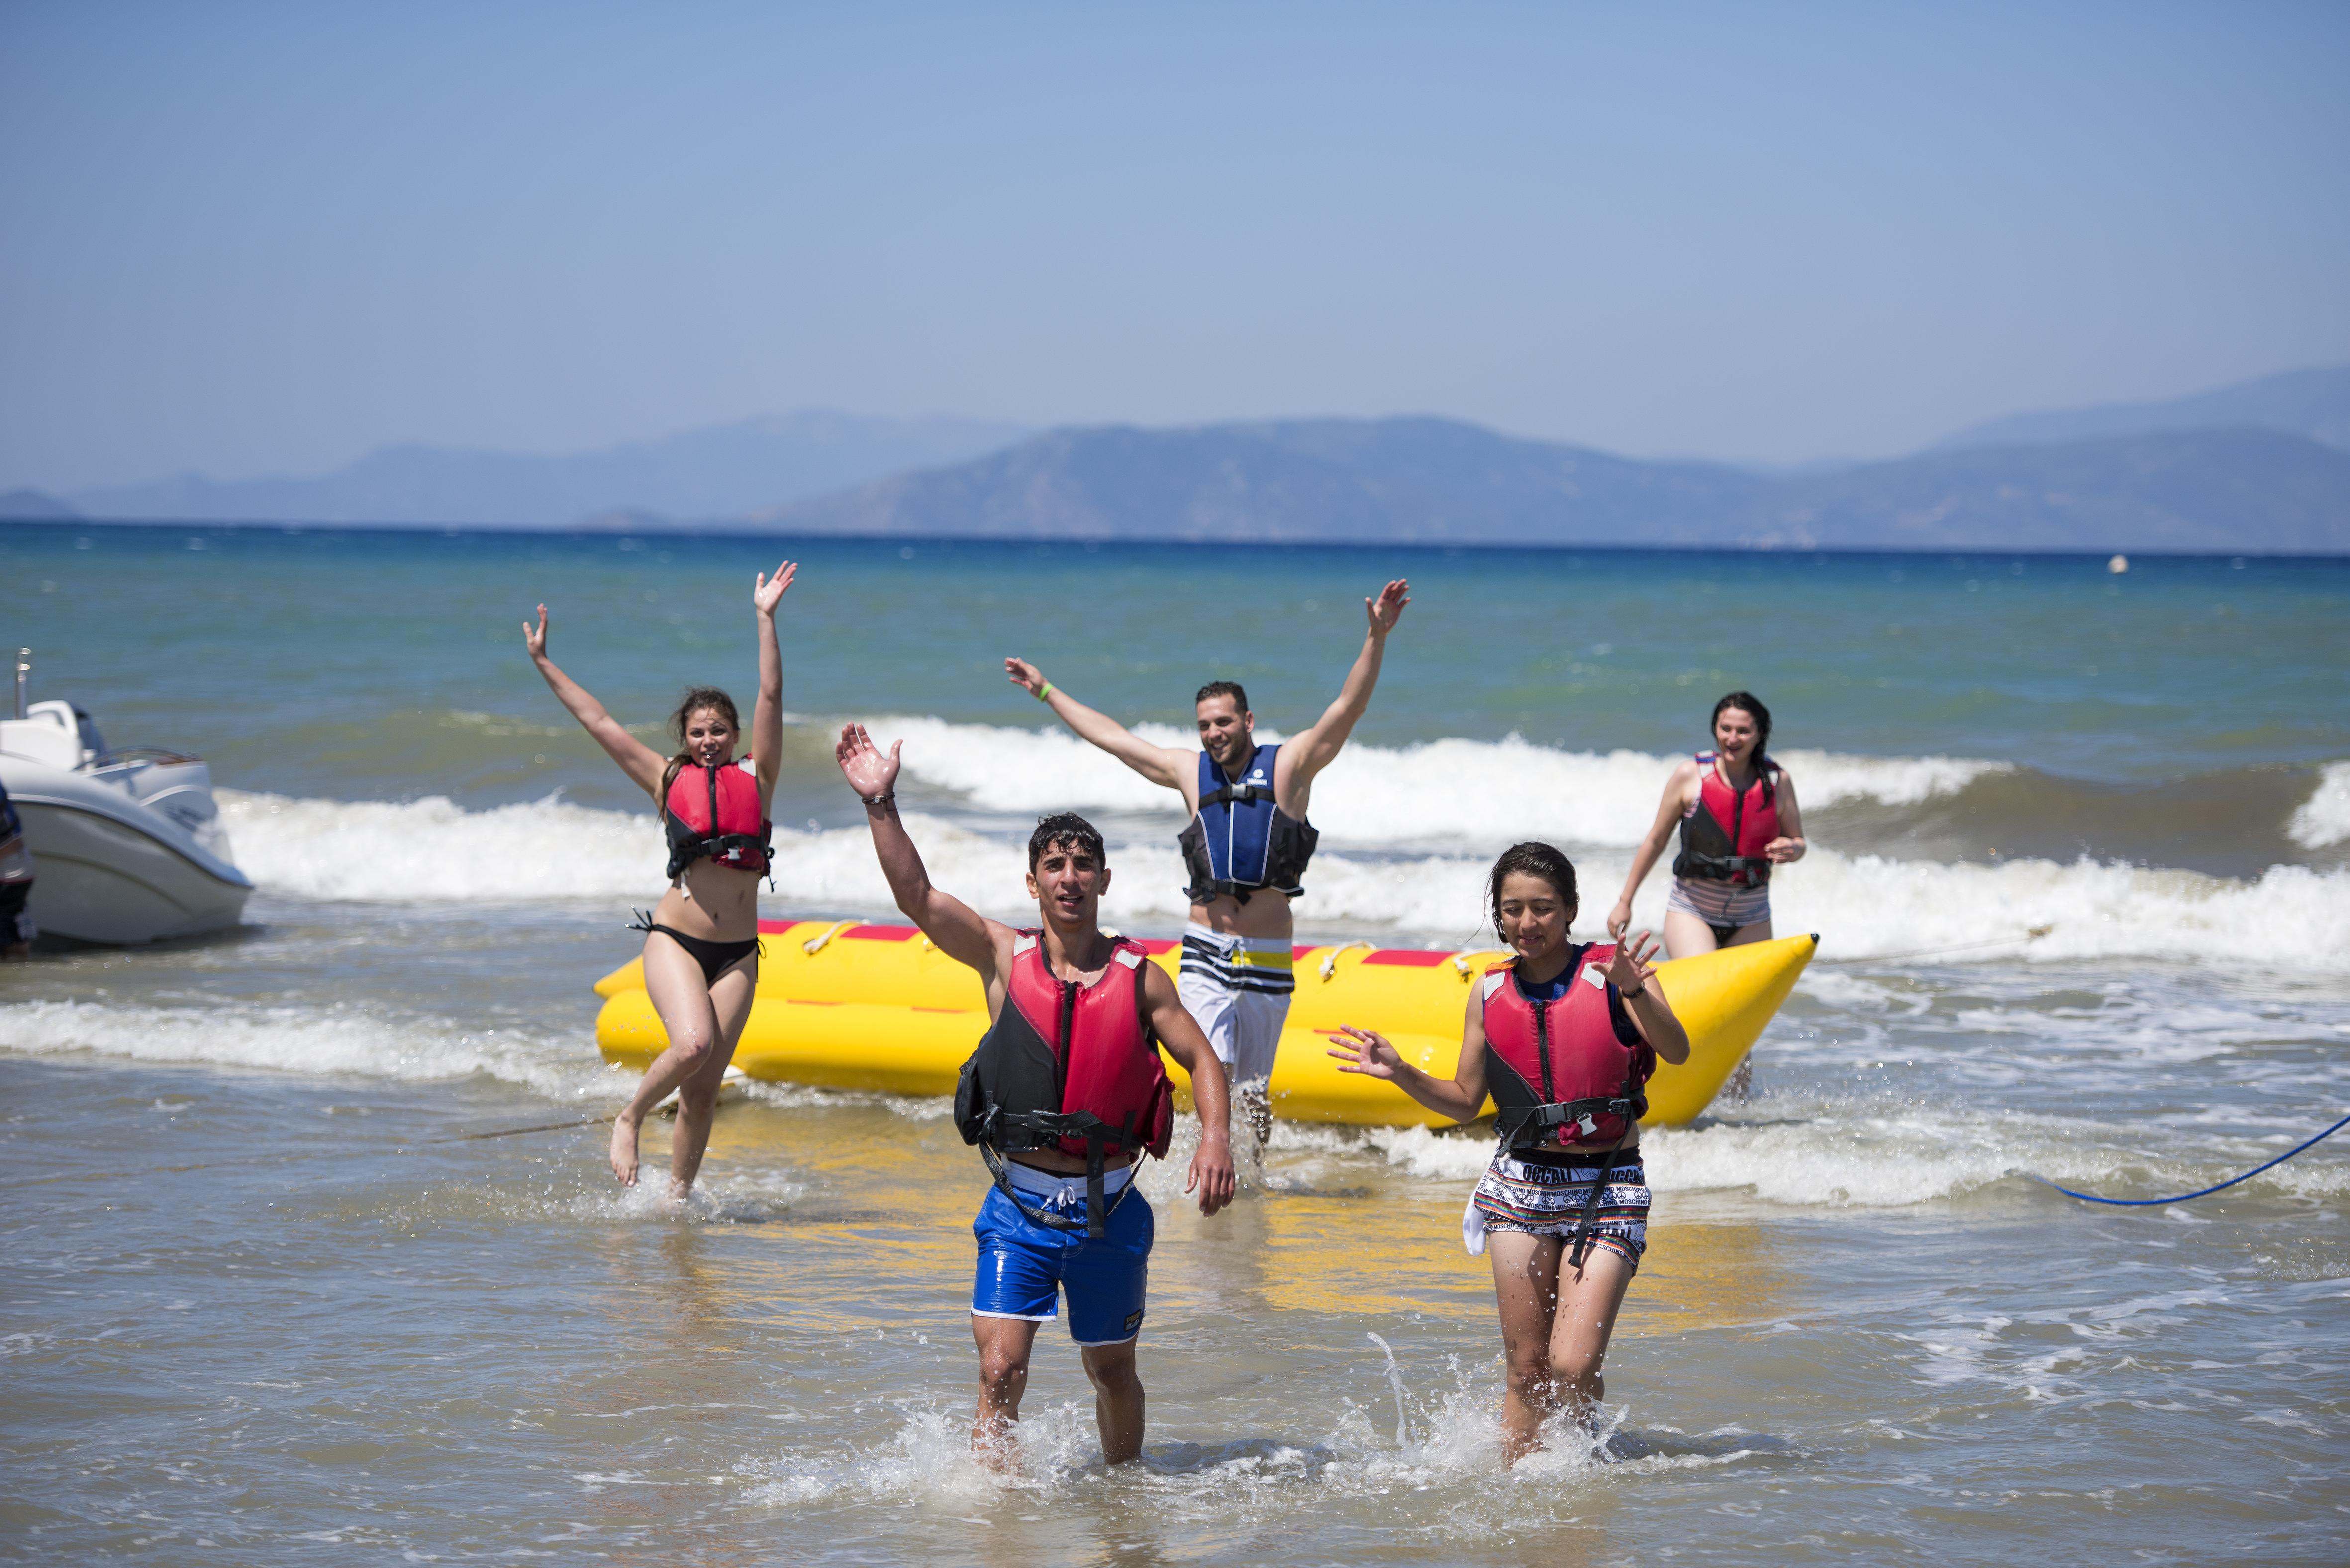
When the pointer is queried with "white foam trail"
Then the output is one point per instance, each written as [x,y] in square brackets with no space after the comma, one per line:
[1444,792]
[2324,819]
[333,1041]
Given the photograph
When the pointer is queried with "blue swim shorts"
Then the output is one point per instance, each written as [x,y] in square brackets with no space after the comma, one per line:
[1024,1267]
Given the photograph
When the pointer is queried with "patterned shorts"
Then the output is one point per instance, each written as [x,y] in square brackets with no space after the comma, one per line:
[1548,1200]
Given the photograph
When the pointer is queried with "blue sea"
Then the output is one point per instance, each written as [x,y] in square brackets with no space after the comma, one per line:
[2082,847]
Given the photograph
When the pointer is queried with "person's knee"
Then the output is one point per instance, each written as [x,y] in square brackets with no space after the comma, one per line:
[1529,1373]
[1577,1370]
[1003,1371]
[693,1043]
[1114,1374]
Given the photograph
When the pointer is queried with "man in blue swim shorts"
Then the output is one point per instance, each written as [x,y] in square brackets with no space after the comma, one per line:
[1063,1097]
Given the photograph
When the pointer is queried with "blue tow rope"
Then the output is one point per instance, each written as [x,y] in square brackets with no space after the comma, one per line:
[2158,1202]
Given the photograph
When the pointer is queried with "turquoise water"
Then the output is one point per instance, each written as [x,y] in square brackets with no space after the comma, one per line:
[259,1314]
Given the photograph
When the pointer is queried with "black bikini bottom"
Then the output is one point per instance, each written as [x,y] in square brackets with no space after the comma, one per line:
[715,958]
[1721,934]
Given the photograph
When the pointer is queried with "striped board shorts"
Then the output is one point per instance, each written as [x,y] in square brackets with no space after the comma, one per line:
[1237,989]
[1548,1200]
[1240,964]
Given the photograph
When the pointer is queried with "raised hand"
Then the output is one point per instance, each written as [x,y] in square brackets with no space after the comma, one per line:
[1364,1051]
[868,773]
[534,637]
[1633,964]
[1024,675]
[769,591]
[1388,608]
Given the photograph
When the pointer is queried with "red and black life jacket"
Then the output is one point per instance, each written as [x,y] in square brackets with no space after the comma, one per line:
[1556,1070]
[717,816]
[1067,1067]
[1723,840]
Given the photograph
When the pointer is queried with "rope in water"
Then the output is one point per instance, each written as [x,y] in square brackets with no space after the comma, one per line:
[2206,1193]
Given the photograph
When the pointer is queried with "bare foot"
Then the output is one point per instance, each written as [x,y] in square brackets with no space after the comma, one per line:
[994,1445]
[624,1148]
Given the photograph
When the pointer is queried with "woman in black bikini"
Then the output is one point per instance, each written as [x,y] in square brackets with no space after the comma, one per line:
[702,942]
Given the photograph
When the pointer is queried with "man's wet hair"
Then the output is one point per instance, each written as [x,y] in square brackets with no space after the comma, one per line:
[1231,689]
[1066,830]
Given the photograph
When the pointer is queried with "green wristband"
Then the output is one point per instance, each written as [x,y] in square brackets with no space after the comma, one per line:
[1044,692]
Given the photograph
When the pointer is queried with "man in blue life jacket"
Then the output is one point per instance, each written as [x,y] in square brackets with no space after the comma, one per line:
[1245,848]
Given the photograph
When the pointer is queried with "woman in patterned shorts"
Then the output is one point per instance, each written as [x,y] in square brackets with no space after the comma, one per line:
[1563,1037]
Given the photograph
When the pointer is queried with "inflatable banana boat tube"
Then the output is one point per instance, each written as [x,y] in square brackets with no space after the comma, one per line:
[847,1005]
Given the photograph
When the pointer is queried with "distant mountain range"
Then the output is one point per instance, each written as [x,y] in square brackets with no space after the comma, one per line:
[1435,481]
[2262,467]
[2313,403]
[723,471]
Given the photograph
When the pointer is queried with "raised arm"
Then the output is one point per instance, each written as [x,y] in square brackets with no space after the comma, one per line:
[767,713]
[1310,752]
[962,932]
[1644,858]
[1461,1096]
[637,760]
[1171,1022]
[1160,764]
[1791,844]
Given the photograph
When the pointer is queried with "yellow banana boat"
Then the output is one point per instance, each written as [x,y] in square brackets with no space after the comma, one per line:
[848,1005]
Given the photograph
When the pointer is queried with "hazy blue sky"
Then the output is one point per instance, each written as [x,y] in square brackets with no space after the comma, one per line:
[240,239]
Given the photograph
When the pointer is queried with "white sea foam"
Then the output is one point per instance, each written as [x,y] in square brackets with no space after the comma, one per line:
[1444,792]
[2324,819]
[433,849]
[1894,1159]
[1399,1451]
[1863,907]
[342,1042]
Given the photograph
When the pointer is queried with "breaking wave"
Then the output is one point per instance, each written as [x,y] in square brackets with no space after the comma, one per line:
[1863,907]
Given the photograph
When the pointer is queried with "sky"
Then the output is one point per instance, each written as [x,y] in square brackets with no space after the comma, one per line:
[248,239]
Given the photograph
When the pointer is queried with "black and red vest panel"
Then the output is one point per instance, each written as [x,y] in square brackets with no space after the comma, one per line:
[1556,1070]
[714,813]
[1068,1066]
[1723,840]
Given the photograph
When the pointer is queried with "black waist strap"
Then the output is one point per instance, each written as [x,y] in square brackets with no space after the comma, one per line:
[1584,1112]
[1720,867]
[1043,1126]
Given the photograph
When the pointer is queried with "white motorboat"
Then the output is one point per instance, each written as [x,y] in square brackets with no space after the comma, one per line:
[128,847]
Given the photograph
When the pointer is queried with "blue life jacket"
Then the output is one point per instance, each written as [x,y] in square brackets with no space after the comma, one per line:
[1240,841]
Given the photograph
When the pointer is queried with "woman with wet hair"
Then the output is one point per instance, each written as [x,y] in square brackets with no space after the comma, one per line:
[701,940]
[1736,812]
[1563,1036]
